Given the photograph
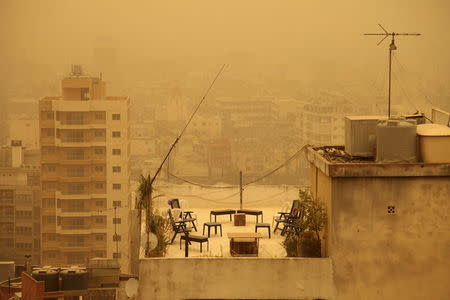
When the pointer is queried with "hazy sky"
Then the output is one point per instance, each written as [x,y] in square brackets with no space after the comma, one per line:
[321,35]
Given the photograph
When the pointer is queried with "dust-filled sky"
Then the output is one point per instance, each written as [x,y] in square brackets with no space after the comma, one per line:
[320,37]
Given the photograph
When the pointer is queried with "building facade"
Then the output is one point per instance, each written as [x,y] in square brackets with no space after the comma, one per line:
[19,204]
[387,231]
[85,146]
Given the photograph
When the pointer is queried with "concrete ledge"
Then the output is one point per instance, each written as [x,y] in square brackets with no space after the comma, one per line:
[235,278]
[373,169]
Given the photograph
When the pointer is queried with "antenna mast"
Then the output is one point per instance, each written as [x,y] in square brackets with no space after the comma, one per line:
[392,47]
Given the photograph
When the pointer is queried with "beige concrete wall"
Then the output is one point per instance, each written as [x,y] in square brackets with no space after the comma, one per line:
[235,278]
[401,256]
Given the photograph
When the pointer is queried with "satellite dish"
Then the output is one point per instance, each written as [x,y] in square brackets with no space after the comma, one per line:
[152,240]
[131,287]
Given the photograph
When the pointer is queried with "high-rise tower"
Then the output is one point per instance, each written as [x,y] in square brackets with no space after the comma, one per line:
[85,148]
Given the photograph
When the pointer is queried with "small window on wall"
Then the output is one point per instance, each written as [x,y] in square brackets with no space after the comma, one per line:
[117,221]
[98,220]
[117,238]
[116,134]
[98,168]
[99,133]
[99,203]
[117,203]
[116,169]
[117,186]
[116,255]
[98,151]
[99,186]
[99,115]
[116,151]
[116,117]
[99,237]
[49,115]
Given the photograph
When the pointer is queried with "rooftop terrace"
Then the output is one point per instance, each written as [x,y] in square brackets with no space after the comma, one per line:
[219,246]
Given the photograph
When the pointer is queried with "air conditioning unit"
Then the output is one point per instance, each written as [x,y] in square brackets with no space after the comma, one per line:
[360,135]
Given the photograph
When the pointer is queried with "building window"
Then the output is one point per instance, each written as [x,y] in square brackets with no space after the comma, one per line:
[116,151]
[99,220]
[116,117]
[76,188]
[99,115]
[117,238]
[51,254]
[98,151]
[99,133]
[116,255]
[99,203]
[99,237]
[117,186]
[117,203]
[116,169]
[99,186]
[51,168]
[75,171]
[50,220]
[98,168]
[117,221]
[75,154]
[49,115]
[116,134]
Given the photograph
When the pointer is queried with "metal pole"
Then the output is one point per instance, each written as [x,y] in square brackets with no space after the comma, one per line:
[389,92]
[240,190]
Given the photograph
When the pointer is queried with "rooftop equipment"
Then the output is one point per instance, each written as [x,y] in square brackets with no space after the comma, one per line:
[49,276]
[396,141]
[434,143]
[360,135]
[74,279]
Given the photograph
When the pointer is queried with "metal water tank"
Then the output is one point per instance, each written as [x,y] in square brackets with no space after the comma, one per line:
[49,276]
[74,279]
[396,141]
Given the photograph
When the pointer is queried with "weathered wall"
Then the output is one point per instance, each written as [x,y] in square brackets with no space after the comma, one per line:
[377,255]
[235,278]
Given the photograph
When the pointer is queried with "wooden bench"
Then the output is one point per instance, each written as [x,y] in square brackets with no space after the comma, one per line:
[252,212]
[220,212]
[196,238]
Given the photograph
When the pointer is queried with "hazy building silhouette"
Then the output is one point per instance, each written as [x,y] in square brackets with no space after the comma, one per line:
[19,203]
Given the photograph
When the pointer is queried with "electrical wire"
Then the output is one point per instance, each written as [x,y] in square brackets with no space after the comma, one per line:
[279,167]
[203,185]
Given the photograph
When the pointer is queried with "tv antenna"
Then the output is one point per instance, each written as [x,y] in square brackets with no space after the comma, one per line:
[392,47]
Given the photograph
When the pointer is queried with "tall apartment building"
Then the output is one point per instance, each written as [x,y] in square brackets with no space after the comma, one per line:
[19,203]
[85,146]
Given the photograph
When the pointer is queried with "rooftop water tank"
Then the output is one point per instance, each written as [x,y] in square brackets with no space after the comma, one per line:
[49,276]
[396,141]
[434,143]
[74,279]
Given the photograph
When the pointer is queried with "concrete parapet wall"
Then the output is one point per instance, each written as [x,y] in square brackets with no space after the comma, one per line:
[235,278]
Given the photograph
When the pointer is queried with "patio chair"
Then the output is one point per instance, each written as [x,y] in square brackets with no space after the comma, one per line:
[177,226]
[185,213]
[287,217]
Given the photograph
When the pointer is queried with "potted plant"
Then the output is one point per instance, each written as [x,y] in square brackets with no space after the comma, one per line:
[305,241]
[155,223]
